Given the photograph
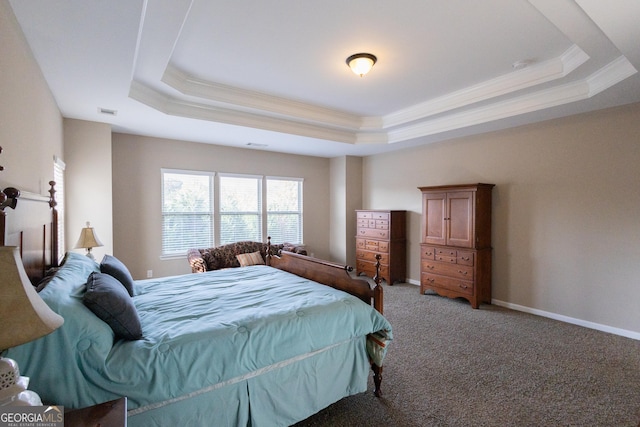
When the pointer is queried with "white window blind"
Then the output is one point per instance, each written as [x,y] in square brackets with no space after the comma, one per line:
[240,199]
[193,218]
[58,176]
[187,211]
[284,210]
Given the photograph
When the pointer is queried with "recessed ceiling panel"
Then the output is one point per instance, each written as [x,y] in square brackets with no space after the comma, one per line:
[425,49]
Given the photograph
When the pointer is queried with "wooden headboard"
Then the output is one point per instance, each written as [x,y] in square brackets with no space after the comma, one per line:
[30,221]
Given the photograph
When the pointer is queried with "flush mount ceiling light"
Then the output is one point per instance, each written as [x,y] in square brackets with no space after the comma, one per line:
[361,63]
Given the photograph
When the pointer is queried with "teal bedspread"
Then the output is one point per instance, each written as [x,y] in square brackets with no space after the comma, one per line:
[211,342]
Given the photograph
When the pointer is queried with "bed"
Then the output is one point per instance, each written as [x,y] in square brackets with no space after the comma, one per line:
[261,345]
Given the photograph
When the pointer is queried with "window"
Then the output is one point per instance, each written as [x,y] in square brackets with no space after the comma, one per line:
[242,207]
[58,177]
[284,210]
[187,211]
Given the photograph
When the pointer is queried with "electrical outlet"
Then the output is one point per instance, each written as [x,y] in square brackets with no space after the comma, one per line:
[149,274]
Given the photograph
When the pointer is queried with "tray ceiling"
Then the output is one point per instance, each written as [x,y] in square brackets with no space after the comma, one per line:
[272,75]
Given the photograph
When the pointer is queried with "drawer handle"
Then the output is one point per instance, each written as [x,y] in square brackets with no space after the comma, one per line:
[466,258]
[463,286]
[431,267]
[464,273]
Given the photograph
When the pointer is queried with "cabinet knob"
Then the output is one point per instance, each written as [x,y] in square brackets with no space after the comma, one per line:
[464,273]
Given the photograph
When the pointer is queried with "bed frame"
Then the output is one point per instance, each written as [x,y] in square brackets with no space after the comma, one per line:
[34,229]
[30,221]
[337,276]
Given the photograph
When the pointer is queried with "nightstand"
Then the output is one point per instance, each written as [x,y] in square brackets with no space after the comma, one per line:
[107,414]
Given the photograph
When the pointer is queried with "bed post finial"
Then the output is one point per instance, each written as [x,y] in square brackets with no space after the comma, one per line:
[52,194]
[377,291]
[378,305]
[55,256]
[268,254]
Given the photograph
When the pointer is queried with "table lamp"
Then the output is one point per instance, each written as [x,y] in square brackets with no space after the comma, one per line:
[24,317]
[88,239]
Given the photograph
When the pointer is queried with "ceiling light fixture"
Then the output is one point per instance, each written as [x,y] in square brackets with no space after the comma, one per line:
[361,63]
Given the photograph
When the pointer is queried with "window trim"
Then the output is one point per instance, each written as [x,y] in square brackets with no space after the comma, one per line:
[300,201]
[215,192]
[217,212]
[212,181]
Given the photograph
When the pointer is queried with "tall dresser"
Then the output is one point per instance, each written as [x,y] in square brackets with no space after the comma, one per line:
[456,242]
[382,232]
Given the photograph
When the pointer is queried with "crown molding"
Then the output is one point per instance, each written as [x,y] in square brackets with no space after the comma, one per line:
[181,108]
[606,77]
[530,76]
[248,100]
[261,111]
[611,74]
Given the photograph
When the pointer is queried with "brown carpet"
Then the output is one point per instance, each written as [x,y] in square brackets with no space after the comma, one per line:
[450,365]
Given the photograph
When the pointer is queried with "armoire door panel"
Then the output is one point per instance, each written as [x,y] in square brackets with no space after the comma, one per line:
[434,227]
[460,217]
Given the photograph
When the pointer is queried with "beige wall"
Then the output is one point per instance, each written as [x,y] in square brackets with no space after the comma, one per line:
[137,162]
[87,151]
[346,197]
[566,224]
[30,121]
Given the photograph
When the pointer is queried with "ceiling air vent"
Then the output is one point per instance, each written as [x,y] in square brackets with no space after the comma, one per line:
[108,111]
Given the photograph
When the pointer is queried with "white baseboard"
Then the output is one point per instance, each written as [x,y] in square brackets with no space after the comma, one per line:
[560,317]
[567,319]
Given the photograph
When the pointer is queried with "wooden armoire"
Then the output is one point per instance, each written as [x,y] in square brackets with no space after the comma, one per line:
[456,241]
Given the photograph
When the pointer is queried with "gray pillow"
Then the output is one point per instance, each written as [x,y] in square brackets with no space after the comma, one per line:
[109,300]
[114,267]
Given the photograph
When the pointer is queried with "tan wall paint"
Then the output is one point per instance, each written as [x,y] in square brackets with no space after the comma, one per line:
[566,228]
[346,197]
[87,150]
[30,121]
[137,162]
[338,207]
[353,185]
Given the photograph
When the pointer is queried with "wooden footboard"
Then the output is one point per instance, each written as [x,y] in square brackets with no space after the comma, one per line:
[330,274]
[337,276]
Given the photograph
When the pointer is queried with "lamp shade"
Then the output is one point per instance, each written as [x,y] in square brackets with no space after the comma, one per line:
[88,238]
[24,316]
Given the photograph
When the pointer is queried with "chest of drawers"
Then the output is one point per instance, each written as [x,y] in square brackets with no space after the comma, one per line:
[381,232]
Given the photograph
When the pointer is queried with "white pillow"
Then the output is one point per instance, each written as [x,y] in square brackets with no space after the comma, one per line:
[253,258]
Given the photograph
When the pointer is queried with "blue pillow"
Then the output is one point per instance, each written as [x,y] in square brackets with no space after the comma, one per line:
[114,267]
[109,300]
